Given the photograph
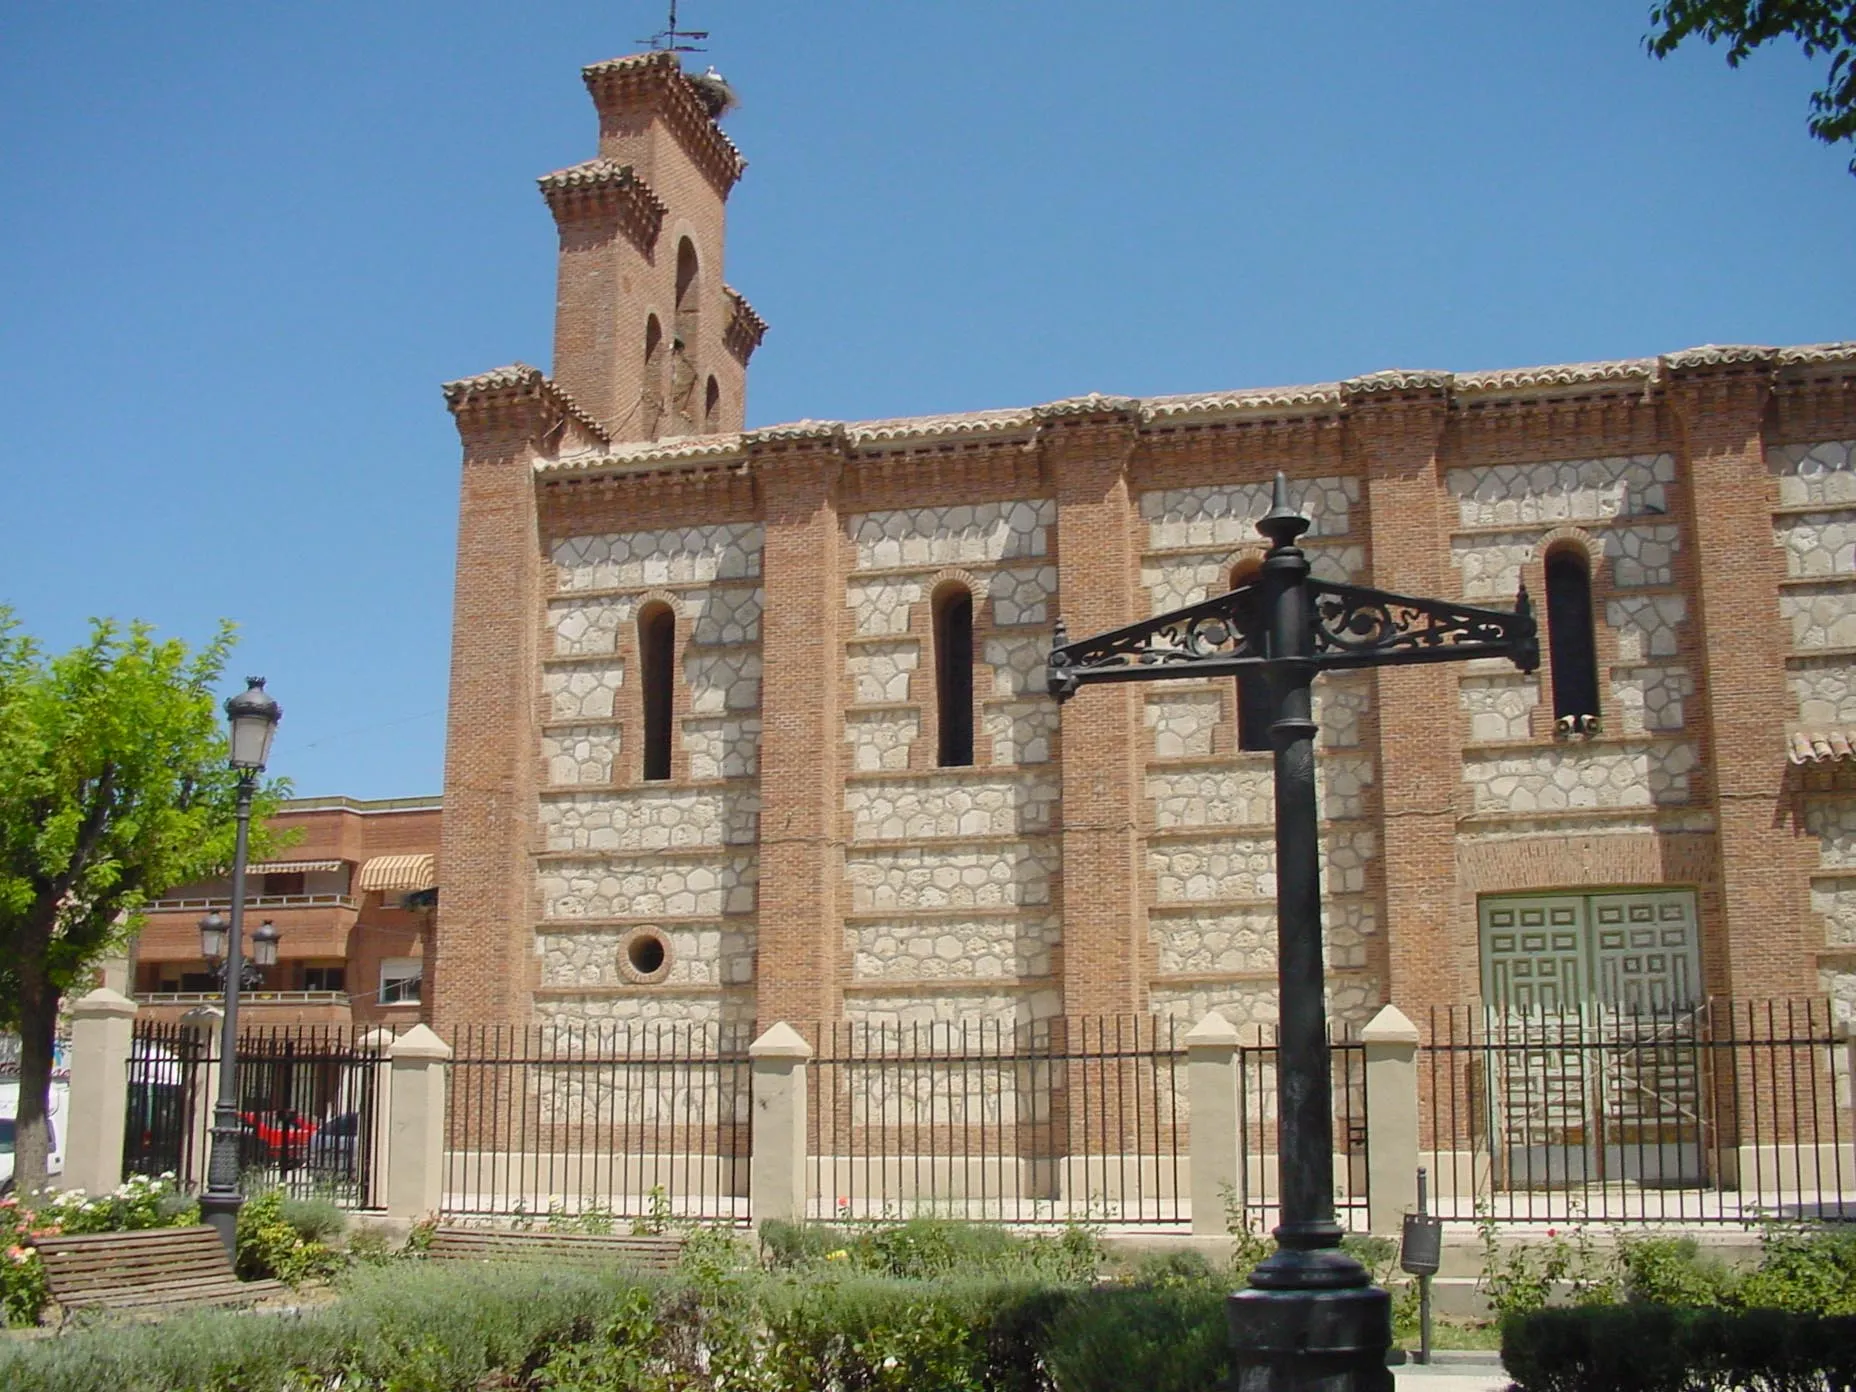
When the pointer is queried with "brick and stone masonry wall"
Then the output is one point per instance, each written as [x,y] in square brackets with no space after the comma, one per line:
[1815,528]
[619,856]
[949,913]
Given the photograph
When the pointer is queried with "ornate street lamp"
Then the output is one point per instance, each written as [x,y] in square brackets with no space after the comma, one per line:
[1312,1317]
[253,716]
[213,937]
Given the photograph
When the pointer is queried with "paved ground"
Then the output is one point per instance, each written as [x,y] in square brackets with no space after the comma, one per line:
[1459,1372]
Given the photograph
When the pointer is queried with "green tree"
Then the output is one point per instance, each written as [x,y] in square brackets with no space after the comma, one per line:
[114,787]
[1822,26]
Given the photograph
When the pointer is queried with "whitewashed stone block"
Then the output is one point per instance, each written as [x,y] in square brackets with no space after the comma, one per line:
[582,692]
[1824,472]
[1226,516]
[880,740]
[580,754]
[647,888]
[880,672]
[722,747]
[945,805]
[1562,491]
[682,555]
[964,535]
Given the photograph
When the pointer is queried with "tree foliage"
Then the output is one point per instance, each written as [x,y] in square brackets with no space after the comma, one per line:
[114,786]
[1821,26]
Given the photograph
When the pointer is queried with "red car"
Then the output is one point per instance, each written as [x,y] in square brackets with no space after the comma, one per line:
[283,1135]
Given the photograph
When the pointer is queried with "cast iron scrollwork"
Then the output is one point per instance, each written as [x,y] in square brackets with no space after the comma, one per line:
[1359,627]
[1217,635]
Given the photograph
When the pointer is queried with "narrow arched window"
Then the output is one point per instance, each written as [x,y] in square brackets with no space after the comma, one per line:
[651,398]
[953,675]
[657,656]
[683,346]
[711,406]
[1569,638]
[1255,708]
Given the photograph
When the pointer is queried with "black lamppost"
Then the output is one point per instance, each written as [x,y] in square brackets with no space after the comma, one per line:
[1311,1319]
[253,716]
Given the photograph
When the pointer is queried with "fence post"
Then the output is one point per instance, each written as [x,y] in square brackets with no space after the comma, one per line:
[416,1148]
[1391,1042]
[200,1086]
[379,1044]
[777,1174]
[102,1034]
[1215,1149]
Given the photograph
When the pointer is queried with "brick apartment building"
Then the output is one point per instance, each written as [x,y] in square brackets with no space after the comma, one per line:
[750,724]
[352,900]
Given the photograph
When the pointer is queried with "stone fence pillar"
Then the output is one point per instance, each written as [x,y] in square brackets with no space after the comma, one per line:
[102,1033]
[1216,1149]
[415,1171]
[777,1177]
[1391,1042]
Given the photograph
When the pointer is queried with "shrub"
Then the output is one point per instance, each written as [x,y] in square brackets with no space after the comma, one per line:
[1654,1348]
[1672,1271]
[928,1248]
[1175,1270]
[269,1244]
[407,1328]
[1158,1339]
[1806,1270]
[315,1220]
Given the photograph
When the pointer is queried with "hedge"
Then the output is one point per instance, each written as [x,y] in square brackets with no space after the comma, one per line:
[1656,1348]
[414,1327]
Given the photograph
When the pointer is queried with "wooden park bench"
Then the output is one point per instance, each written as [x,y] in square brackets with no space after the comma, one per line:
[149,1270]
[642,1252]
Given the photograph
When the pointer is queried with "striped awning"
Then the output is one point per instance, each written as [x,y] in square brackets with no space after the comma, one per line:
[295,867]
[399,872]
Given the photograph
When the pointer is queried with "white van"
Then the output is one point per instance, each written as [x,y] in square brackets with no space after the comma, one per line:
[58,1121]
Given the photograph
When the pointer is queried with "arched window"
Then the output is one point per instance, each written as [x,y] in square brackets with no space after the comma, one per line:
[683,349]
[651,399]
[711,406]
[657,656]
[953,675]
[1255,709]
[1570,641]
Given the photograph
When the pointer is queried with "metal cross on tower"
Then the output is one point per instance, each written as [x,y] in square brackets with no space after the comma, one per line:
[1311,1318]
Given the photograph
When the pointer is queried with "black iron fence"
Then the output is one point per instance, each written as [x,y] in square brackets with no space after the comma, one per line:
[308,1101]
[1052,1119]
[600,1122]
[1259,1198]
[1725,1112]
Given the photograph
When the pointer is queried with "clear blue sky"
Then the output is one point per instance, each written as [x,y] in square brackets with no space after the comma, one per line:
[242,244]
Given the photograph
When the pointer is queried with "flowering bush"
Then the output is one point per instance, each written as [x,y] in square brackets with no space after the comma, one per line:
[138,1202]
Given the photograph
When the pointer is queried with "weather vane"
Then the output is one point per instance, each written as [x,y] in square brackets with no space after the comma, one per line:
[671,39]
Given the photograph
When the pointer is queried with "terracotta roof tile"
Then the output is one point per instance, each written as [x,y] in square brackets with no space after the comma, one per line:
[1822,747]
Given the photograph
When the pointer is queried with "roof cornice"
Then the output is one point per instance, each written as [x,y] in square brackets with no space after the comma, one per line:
[504,394]
[603,189]
[745,328]
[1622,379]
[656,81]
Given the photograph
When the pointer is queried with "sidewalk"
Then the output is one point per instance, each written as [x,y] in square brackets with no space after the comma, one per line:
[1454,1372]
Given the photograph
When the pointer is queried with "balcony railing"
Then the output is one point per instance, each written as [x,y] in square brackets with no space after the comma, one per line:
[244,997]
[259,901]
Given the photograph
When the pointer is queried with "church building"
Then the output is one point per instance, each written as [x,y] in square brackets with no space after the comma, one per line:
[749,725]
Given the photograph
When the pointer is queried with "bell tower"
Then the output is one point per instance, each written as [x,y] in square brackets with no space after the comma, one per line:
[649,339]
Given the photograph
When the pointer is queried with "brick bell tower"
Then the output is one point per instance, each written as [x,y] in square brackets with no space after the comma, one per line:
[648,339]
[649,342]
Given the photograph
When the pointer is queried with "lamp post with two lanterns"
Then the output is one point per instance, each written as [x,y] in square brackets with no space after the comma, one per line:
[253,716]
